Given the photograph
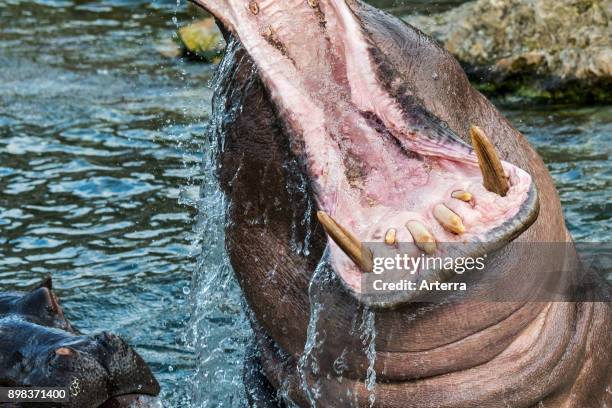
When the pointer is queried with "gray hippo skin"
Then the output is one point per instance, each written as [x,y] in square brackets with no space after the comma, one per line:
[332,110]
[40,348]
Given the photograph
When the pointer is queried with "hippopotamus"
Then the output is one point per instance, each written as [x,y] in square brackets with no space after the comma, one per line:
[340,130]
[41,348]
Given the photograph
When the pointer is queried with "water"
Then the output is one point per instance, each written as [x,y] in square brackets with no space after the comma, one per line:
[101,140]
[363,327]
[368,337]
[308,365]
[575,145]
[219,331]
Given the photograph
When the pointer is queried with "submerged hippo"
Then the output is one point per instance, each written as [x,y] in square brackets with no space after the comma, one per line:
[339,126]
[40,348]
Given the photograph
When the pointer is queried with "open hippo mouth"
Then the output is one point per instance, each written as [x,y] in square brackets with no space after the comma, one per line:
[383,169]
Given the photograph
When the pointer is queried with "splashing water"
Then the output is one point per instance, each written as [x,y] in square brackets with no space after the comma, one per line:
[363,328]
[219,327]
[308,363]
[301,219]
[368,338]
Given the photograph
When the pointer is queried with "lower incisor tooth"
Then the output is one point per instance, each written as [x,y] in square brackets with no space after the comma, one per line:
[448,219]
[462,195]
[423,239]
[391,236]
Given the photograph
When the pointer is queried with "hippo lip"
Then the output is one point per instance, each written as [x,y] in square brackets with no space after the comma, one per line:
[381,167]
[127,378]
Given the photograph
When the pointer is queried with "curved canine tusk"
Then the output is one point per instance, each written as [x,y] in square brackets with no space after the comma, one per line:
[493,175]
[422,237]
[351,246]
[448,219]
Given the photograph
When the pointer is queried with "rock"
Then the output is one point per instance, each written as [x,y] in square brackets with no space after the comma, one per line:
[202,40]
[543,48]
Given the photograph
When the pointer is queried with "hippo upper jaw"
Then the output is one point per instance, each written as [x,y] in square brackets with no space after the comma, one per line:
[382,167]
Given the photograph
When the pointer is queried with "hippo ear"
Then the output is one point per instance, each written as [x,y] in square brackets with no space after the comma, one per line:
[41,306]
[38,301]
[47,282]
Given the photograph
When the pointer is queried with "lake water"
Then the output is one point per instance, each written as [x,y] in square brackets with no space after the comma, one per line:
[101,144]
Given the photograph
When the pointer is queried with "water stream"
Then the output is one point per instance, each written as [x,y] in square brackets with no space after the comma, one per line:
[218,329]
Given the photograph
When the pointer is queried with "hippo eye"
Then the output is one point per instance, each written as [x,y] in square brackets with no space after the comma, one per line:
[64,351]
[61,353]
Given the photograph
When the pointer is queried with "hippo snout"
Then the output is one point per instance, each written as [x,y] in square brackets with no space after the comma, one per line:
[94,369]
[128,372]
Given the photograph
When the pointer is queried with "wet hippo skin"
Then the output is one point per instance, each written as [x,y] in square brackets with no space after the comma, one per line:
[298,132]
[40,348]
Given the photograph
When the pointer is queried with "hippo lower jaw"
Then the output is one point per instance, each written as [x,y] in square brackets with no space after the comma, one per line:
[382,168]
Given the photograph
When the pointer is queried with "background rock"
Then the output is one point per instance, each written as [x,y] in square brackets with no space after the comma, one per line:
[202,39]
[538,48]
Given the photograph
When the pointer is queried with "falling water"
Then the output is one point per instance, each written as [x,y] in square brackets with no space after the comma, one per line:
[301,220]
[308,363]
[368,338]
[363,328]
[219,327]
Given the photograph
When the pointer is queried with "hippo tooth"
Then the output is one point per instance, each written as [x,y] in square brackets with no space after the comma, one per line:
[391,236]
[462,195]
[423,239]
[493,174]
[448,219]
[359,253]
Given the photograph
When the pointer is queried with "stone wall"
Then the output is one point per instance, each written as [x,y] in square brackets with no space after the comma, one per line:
[546,47]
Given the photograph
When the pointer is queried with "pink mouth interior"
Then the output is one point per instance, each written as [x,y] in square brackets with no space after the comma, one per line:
[370,169]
